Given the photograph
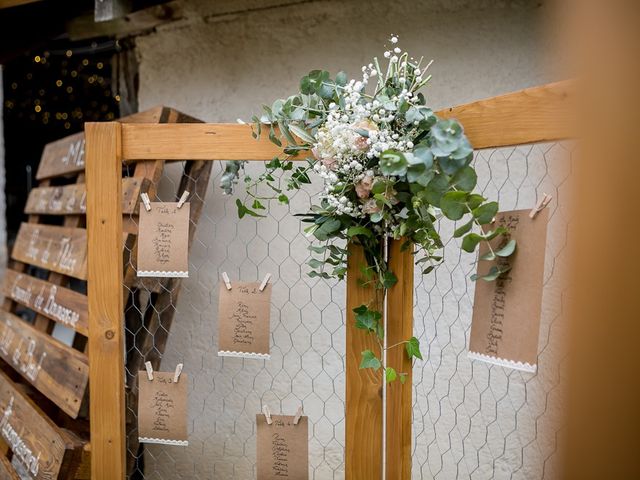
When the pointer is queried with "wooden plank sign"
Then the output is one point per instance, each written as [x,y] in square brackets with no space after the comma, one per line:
[72,199]
[60,249]
[34,439]
[62,157]
[58,371]
[60,304]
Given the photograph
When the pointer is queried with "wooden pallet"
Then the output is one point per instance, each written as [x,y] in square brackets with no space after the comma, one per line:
[44,385]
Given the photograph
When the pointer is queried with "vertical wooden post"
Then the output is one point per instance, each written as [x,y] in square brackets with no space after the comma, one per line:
[104,290]
[399,397]
[363,452]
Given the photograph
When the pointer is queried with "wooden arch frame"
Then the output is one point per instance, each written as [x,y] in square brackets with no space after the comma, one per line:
[532,115]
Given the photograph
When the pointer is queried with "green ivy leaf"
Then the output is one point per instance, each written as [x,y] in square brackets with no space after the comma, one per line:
[241,208]
[367,319]
[257,205]
[403,377]
[390,374]
[369,360]
[453,205]
[388,279]
[413,348]
[282,198]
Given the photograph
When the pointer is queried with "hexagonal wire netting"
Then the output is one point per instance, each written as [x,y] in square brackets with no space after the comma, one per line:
[470,420]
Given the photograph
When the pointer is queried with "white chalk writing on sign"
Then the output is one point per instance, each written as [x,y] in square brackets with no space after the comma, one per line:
[16,443]
[75,154]
[45,301]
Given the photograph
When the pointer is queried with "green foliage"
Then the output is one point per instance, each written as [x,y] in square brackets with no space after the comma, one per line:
[391,169]
[369,360]
[413,348]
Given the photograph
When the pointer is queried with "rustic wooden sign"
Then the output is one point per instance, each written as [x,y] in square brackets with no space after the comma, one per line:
[60,249]
[34,439]
[60,304]
[72,199]
[6,470]
[62,157]
[58,371]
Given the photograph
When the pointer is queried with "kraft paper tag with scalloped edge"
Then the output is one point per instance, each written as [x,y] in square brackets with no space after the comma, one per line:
[283,448]
[506,311]
[163,240]
[162,408]
[243,320]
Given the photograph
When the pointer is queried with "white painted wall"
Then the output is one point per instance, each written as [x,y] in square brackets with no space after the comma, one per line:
[219,64]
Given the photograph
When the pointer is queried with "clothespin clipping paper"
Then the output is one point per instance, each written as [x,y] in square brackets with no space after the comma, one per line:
[149,370]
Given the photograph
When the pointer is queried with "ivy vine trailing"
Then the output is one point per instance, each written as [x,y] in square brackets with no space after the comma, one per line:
[390,168]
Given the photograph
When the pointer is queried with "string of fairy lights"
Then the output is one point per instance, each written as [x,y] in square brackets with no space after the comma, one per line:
[62,88]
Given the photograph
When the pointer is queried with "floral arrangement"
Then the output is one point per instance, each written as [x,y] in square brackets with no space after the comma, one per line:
[390,168]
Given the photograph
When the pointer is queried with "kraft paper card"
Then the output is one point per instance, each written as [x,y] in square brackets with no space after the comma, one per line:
[506,311]
[283,448]
[163,240]
[243,320]
[162,409]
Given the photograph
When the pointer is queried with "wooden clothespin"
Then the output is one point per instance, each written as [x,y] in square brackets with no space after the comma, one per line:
[542,203]
[149,370]
[146,201]
[226,280]
[267,414]
[183,198]
[296,419]
[265,281]
[176,375]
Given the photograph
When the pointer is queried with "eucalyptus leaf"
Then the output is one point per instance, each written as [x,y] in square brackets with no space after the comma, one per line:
[453,205]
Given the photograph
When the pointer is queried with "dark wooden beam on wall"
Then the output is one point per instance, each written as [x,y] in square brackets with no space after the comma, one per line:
[85,27]
[15,3]
[106,10]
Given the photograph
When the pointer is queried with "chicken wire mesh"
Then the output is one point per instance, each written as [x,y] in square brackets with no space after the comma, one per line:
[470,420]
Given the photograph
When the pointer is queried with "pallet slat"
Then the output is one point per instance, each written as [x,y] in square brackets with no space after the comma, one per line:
[59,372]
[60,304]
[71,199]
[59,249]
[33,438]
[66,156]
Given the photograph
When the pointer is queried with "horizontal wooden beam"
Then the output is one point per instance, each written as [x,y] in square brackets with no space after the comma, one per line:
[537,114]
[88,26]
[197,141]
[15,3]
[532,115]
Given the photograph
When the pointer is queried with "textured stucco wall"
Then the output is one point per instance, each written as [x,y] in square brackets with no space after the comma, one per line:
[219,64]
